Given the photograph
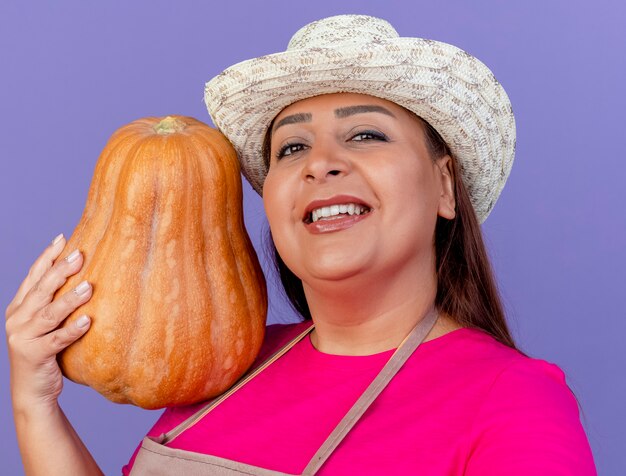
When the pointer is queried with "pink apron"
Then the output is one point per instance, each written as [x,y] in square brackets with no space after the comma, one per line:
[156,459]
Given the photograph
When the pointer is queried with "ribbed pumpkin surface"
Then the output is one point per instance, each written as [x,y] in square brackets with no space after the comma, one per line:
[179,300]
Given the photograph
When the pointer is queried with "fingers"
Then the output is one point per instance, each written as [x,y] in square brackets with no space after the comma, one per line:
[42,292]
[51,315]
[31,355]
[58,340]
[47,258]
[43,263]
[34,337]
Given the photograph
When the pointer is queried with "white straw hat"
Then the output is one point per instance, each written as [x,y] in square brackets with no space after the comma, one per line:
[455,92]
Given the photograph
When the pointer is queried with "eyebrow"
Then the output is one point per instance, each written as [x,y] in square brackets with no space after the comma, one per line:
[351,110]
[339,113]
[293,119]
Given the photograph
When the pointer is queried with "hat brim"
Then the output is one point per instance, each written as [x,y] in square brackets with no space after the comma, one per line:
[450,89]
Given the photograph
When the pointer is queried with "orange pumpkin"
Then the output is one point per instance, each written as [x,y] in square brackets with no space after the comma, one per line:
[179,299]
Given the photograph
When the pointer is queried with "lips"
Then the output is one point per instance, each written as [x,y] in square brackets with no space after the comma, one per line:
[335,200]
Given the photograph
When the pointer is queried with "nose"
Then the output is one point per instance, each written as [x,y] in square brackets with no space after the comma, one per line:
[323,162]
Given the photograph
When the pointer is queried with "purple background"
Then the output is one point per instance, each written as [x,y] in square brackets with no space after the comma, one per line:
[72,73]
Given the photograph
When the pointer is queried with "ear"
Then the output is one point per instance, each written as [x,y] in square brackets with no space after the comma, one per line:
[447,202]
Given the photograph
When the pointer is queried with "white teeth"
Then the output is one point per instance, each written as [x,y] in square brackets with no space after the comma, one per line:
[334,210]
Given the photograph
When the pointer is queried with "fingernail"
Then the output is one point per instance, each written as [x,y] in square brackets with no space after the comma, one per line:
[73,256]
[82,321]
[82,288]
[57,239]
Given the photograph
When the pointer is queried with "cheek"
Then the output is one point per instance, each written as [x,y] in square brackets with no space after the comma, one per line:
[278,215]
[409,182]
[277,205]
[412,194]
[271,202]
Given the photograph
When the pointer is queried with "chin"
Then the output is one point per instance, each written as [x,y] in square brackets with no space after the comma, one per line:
[332,269]
[331,275]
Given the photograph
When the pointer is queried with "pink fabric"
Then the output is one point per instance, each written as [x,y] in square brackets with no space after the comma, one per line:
[463,404]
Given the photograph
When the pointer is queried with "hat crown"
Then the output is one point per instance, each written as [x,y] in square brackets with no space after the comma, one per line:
[328,32]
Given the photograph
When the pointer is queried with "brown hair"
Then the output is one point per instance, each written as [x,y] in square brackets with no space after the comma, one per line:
[466,288]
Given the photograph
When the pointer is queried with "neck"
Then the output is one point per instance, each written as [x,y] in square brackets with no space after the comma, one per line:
[362,316]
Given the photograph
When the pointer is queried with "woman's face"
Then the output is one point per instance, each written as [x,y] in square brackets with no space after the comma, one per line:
[351,151]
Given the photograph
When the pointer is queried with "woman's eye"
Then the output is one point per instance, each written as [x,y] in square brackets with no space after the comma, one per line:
[369,135]
[289,149]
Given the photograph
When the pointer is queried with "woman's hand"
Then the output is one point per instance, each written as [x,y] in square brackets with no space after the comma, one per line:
[34,341]
[32,319]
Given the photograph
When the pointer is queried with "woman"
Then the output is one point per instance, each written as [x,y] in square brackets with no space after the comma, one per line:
[403,363]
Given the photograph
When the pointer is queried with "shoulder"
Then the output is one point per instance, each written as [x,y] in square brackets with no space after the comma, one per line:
[518,412]
[510,380]
[535,392]
[527,420]
[476,349]
[508,371]
[528,376]
[490,374]
[474,357]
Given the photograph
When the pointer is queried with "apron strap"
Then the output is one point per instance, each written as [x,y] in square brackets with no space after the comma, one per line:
[399,357]
[196,417]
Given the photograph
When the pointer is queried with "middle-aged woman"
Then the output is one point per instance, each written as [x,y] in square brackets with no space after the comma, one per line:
[377,158]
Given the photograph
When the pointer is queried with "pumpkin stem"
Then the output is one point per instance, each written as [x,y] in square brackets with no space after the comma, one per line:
[169,125]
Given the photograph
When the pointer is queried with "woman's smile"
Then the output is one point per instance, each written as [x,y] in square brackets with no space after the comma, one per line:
[334,214]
